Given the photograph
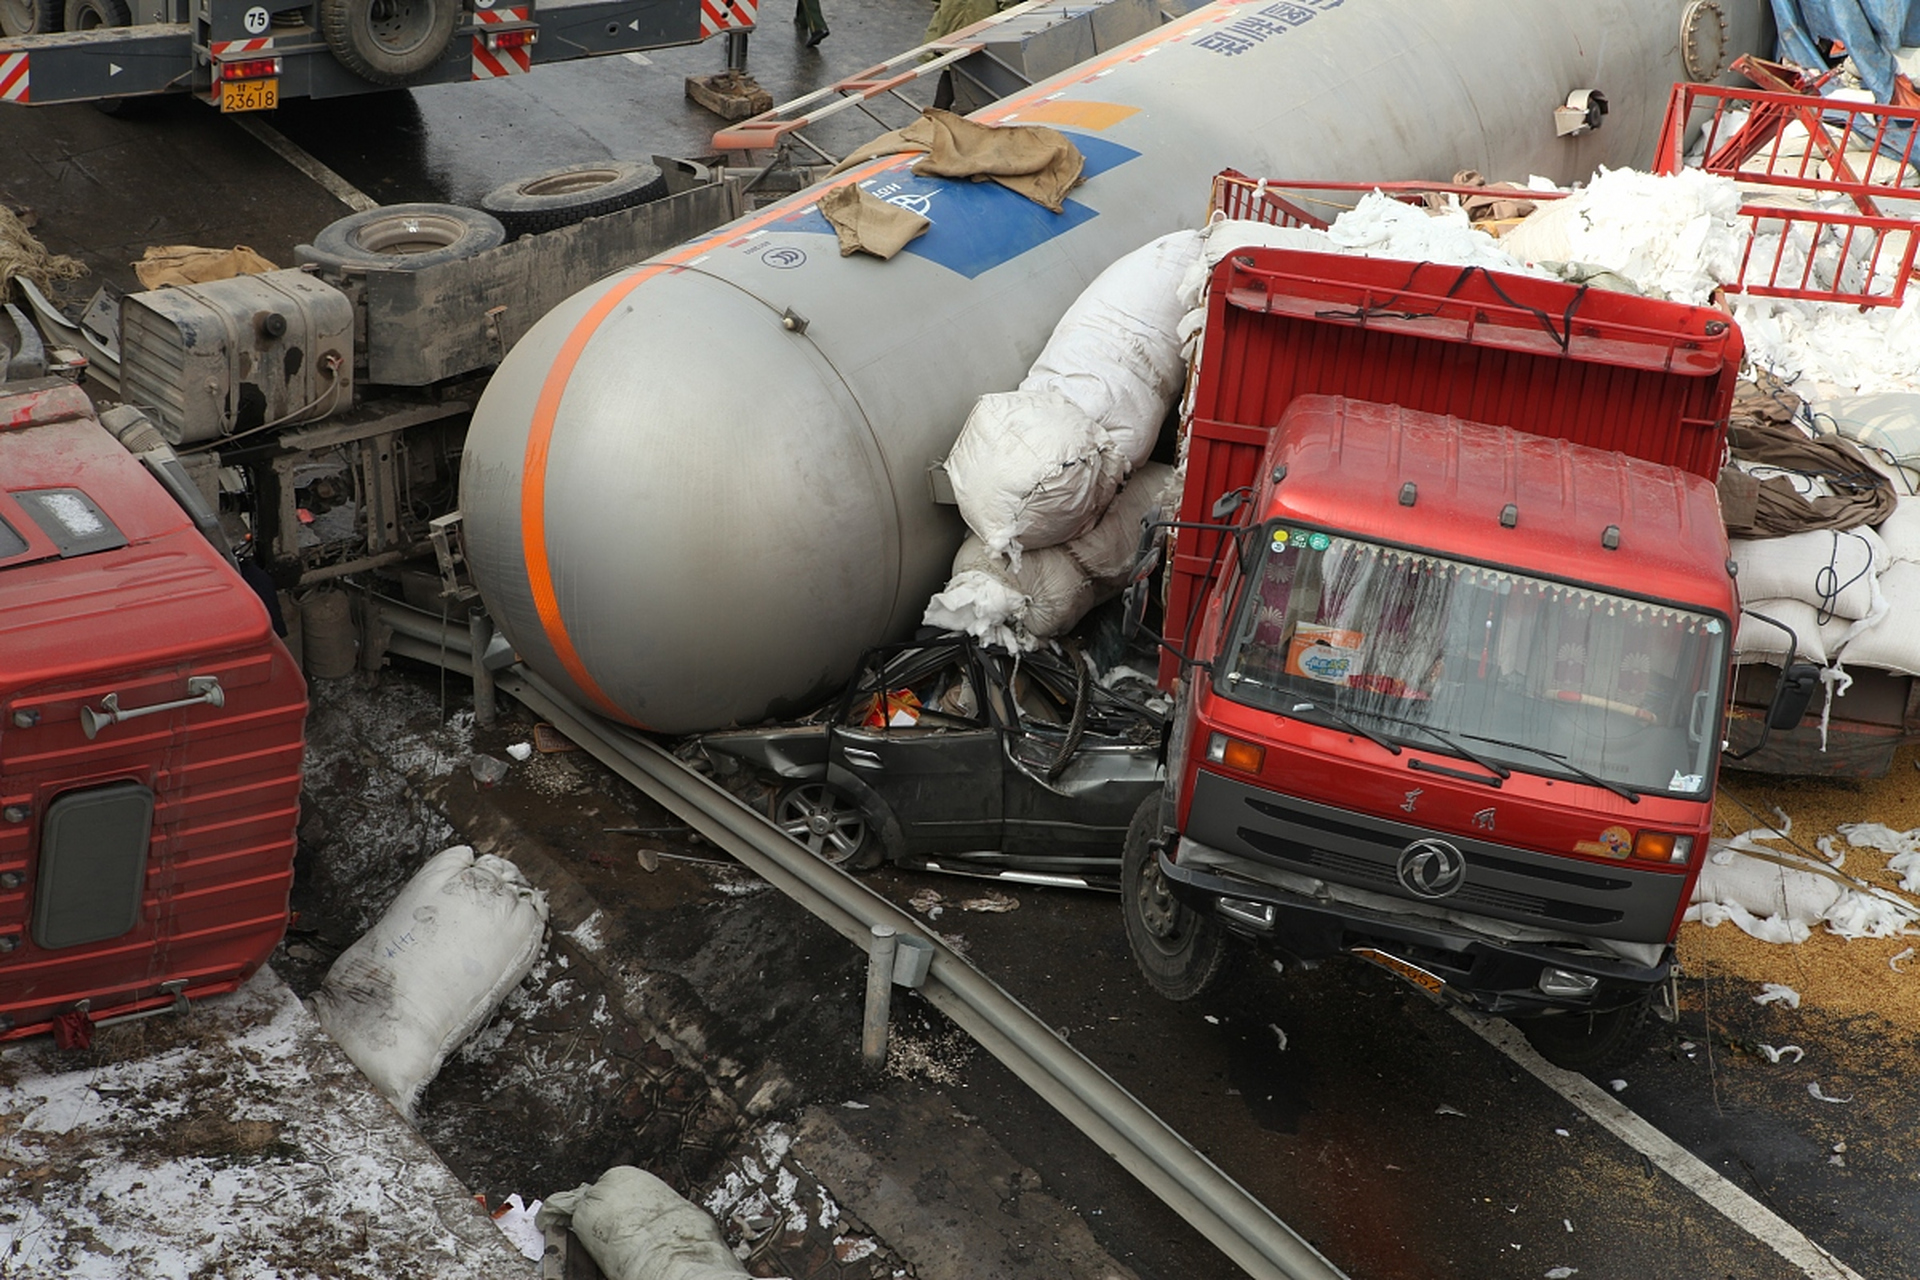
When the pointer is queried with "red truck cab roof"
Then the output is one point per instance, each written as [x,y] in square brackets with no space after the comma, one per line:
[1349,464]
[150,737]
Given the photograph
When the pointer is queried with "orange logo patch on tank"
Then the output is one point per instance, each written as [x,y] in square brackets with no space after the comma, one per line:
[1614,842]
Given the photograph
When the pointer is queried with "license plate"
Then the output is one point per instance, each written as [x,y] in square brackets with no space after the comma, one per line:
[250,95]
[1395,965]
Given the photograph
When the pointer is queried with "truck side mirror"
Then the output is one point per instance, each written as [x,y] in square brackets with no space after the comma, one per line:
[1792,694]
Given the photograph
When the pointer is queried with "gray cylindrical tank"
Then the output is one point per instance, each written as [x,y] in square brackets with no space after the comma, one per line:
[698,489]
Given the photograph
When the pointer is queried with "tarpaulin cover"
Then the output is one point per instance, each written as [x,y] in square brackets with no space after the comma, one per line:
[1033,160]
[1870,29]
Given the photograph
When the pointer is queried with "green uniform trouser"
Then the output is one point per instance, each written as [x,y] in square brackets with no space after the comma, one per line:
[955,14]
[806,13]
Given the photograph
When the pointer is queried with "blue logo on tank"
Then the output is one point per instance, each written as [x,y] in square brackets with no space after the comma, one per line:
[977,226]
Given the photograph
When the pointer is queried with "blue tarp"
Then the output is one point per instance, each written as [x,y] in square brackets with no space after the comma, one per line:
[1870,29]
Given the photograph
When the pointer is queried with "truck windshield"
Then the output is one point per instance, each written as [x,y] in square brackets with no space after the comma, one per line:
[1540,676]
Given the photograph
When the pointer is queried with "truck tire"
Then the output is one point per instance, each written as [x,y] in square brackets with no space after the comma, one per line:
[91,15]
[29,17]
[1590,1041]
[388,41]
[404,237]
[562,197]
[830,823]
[1181,952]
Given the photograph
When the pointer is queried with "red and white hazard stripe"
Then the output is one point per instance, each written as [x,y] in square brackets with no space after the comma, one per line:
[228,50]
[726,15]
[489,64]
[13,77]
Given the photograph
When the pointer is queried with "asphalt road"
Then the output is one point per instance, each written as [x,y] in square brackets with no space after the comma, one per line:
[1383,1129]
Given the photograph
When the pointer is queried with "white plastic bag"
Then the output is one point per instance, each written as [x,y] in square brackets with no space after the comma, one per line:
[636,1227]
[1116,352]
[1831,569]
[431,971]
[1030,469]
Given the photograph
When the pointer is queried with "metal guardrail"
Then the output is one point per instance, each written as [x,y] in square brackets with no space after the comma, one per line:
[1165,1163]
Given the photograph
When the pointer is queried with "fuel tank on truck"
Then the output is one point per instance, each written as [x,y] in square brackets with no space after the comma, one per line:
[697,490]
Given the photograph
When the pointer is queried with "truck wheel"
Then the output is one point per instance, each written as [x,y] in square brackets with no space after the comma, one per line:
[91,15]
[562,197]
[829,823]
[404,237]
[29,17]
[1590,1041]
[388,41]
[1181,952]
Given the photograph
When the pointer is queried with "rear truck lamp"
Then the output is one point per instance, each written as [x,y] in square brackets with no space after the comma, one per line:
[510,39]
[1661,846]
[1561,983]
[250,69]
[1258,915]
[1235,754]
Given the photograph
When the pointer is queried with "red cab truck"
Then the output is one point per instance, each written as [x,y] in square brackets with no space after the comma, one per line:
[150,733]
[1449,617]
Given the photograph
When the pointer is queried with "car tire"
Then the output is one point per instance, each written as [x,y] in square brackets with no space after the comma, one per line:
[561,197]
[92,15]
[1182,953]
[1590,1041]
[829,823]
[29,17]
[404,237]
[388,41]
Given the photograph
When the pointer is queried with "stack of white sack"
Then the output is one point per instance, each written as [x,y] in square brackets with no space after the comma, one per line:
[1825,584]
[1018,606]
[1779,898]
[1037,466]
[459,936]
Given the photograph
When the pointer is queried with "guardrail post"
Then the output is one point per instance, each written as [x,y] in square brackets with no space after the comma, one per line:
[480,631]
[873,1034]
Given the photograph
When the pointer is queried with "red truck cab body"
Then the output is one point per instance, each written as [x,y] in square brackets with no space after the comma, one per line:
[150,737]
[1455,683]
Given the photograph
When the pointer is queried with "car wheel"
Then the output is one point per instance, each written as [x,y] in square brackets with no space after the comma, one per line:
[388,41]
[829,823]
[29,17]
[91,15]
[1182,953]
[404,237]
[562,197]
[1590,1041]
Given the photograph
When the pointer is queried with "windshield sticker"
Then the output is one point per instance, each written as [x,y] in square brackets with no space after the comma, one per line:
[1279,539]
[1614,842]
[1685,781]
[1318,541]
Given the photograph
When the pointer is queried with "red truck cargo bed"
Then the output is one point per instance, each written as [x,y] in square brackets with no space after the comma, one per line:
[144,854]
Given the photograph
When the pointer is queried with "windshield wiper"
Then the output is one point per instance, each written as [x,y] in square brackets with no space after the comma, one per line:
[1349,723]
[1620,789]
[1464,753]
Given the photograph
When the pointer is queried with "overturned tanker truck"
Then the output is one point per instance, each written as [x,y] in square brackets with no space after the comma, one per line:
[699,489]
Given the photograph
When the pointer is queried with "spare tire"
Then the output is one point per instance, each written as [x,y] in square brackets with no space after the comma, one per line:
[562,197]
[404,237]
[388,41]
[29,17]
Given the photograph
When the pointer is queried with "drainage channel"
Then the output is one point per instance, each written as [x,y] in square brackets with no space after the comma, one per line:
[1165,1163]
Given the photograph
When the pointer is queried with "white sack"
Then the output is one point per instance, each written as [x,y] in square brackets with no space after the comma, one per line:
[431,971]
[1757,642]
[635,1227]
[1677,236]
[1892,643]
[1781,904]
[1886,423]
[1106,551]
[1901,530]
[1016,607]
[1831,569]
[1030,469]
[1116,353]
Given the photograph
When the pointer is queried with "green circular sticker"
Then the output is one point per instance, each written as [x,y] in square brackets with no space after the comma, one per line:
[1319,541]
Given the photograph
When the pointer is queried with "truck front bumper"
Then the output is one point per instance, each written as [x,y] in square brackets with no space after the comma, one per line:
[1496,976]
